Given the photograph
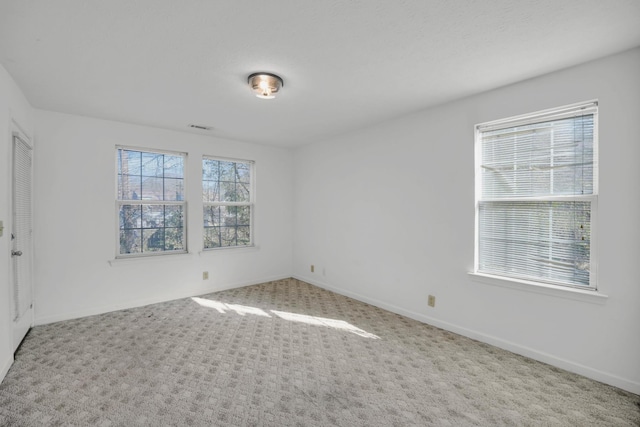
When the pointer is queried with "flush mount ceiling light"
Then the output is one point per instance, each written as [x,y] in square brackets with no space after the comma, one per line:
[265,85]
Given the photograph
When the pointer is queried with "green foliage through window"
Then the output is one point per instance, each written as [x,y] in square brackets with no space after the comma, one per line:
[227,199]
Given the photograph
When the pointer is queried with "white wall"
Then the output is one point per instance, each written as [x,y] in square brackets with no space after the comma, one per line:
[386,215]
[15,113]
[75,220]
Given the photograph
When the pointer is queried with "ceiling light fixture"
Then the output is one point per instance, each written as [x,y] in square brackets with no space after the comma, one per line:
[265,85]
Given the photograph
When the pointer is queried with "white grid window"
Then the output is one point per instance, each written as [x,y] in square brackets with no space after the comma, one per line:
[150,202]
[536,196]
[227,195]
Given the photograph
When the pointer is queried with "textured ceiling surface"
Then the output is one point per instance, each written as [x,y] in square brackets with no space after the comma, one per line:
[346,64]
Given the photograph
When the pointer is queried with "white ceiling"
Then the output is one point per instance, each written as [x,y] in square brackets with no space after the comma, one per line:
[346,64]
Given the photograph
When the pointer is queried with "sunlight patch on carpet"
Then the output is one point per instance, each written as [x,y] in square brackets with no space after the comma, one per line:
[321,321]
[224,307]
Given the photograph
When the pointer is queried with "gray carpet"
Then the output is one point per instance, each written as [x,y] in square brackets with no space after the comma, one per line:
[286,353]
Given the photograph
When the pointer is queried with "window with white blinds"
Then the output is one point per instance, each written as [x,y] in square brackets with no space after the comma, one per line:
[536,196]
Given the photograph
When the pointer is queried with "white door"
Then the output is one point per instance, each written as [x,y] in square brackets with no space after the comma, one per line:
[21,241]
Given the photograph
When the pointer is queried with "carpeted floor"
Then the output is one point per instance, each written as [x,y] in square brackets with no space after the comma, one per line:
[286,353]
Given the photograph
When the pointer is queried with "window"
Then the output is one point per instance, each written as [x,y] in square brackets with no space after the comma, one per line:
[150,202]
[228,202]
[536,196]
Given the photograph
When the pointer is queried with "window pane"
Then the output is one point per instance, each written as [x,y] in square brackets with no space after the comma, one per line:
[151,228]
[227,171]
[150,176]
[153,216]
[173,216]
[233,192]
[130,217]
[153,240]
[131,162]
[211,191]
[546,155]
[129,187]
[229,215]
[173,166]
[210,170]
[152,188]
[226,182]
[547,158]
[242,192]
[228,236]
[211,216]
[244,236]
[243,215]
[212,237]
[234,215]
[153,164]
[539,240]
[227,226]
[228,191]
[243,171]
[173,189]
[159,239]
[174,239]
[130,241]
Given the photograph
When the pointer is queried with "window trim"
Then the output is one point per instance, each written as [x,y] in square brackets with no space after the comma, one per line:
[563,112]
[585,295]
[182,203]
[251,203]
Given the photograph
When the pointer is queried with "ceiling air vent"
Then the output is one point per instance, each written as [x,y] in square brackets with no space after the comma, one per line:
[201,127]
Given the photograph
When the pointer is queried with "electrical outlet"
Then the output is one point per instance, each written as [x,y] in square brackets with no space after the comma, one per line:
[205,275]
[431,301]
[313,268]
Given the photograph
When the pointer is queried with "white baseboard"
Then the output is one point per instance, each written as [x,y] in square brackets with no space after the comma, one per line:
[595,374]
[91,311]
[5,368]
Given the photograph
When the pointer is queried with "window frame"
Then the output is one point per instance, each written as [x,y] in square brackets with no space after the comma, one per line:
[563,112]
[120,202]
[251,203]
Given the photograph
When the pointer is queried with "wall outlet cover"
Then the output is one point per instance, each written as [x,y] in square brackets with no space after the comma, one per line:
[431,301]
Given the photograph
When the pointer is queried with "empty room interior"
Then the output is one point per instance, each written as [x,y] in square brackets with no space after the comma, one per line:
[319,213]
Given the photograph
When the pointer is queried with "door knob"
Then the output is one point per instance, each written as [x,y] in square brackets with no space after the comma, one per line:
[16,253]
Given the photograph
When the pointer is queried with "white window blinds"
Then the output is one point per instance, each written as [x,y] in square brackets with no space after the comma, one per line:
[535,196]
[21,239]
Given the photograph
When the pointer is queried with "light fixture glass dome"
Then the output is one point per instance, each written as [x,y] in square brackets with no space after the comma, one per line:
[265,85]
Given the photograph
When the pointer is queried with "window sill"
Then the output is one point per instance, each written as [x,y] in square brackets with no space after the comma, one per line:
[229,250]
[541,288]
[144,258]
